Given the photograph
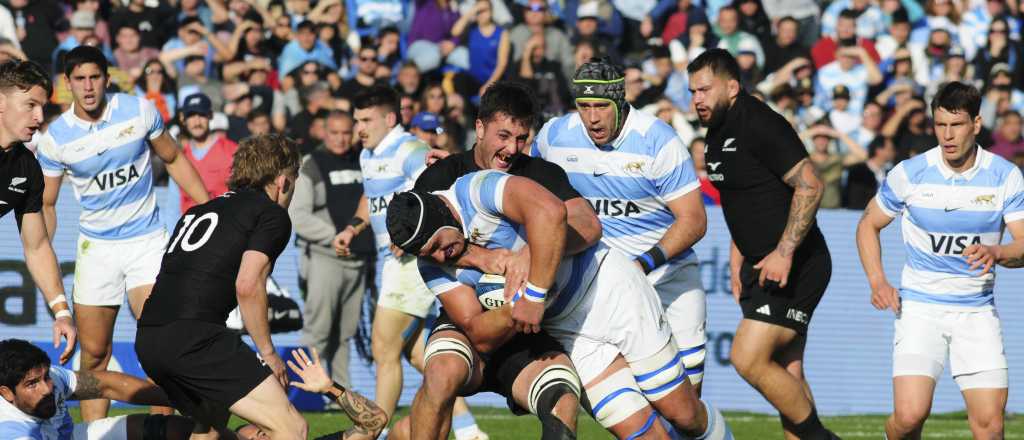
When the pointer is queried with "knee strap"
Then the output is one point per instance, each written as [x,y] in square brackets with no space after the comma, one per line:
[154,427]
[647,426]
[661,373]
[452,346]
[549,385]
[615,398]
[693,360]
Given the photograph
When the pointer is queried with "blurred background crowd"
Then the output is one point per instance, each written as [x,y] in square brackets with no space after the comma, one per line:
[853,76]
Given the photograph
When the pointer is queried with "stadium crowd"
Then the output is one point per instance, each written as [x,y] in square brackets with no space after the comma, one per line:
[852,76]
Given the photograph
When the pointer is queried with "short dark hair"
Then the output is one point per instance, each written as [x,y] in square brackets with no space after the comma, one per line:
[956,96]
[256,114]
[790,19]
[849,14]
[720,61]
[24,75]
[378,96]
[17,357]
[84,55]
[513,99]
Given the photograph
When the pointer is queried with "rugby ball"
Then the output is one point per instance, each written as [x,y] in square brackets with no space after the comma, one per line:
[490,290]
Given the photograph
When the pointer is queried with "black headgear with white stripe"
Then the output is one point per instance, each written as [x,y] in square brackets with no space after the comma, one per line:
[415,216]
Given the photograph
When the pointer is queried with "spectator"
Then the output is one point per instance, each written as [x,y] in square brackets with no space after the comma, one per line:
[864,179]
[853,68]
[870,123]
[368,17]
[365,77]
[909,129]
[733,39]
[389,51]
[588,28]
[314,98]
[427,127]
[237,111]
[750,73]
[305,47]
[201,11]
[1007,136]
[896,47]
[431,30]
[544,76]
[673,17]
[830,159]
[840,116]
[953,68]
[258,123]
[157,87]
[870,21]
[130,55]
[210,153]
[556,44]
[698,38]
[999,48]
[941,15]
[408,79]
[753,19]
[432,99]
[83,25]
[193,41]
[247,42]
[807,112]
[488,44]
[785,47]
[156,23]
[805,12]
[585,50]
[407,109]
[196,79]
[826,49]
[36,25]
[327,194]
[8,30]
[1000,95]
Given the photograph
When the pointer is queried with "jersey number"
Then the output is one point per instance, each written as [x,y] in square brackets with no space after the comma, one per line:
[188,229]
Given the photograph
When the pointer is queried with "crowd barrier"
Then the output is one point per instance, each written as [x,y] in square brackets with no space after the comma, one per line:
[848,359]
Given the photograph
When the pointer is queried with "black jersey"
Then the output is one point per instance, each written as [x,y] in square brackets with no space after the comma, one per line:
[746,158]
[198,272]
[21,182]
[443,173]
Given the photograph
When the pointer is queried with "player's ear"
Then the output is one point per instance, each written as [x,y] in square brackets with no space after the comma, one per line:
[479,129]
[7,393]
[392,119]
[734,88]
[3,102]
[977,124]
[283,183]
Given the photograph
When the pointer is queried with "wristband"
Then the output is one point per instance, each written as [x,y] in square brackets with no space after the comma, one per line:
[59,299]
[356,222]
[62,314]
[330,393]
[651,259]
[534,294]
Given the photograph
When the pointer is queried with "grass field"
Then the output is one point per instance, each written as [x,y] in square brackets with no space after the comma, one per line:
[501,425]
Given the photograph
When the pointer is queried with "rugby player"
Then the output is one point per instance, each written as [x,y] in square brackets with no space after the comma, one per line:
[101,143]
[219,257]
[35,396]
[779,263]
[609,321]
[367,418]
[955,200]
[538,362]
[24,88]
[638,176]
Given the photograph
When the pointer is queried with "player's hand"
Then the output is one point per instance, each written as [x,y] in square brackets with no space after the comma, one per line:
[65,326]
[310,370]
[342,241]
[526,315]
[277,366]
[979,255]
[397,251]
[517,269]
[775,267]
[884,296]
[435,155]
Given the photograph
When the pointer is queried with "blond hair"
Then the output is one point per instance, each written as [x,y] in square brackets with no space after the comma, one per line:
[260,159]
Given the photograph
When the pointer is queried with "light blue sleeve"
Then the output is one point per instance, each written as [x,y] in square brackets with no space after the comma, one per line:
[490,189]
[438,279]
[892,194]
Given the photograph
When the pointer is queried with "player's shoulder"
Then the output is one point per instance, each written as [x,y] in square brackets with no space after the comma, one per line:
[64,380]
[997,165]
[646,134]
[916,169]
[19,429]
[412,144]
[559,129]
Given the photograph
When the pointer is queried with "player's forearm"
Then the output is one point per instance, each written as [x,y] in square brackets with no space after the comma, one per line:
[584,228]
[807,192]
[130,389]
[1011,255]
[545,233]
[42,265]
[252,303]
[50,220]
[690,225]
[368,418]
[490,329]
[869,246]
[186,176]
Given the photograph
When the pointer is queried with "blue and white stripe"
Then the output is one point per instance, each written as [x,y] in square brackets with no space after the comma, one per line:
[630,182]
[943,213]
[107,163]
[16,425]
[477,199]
[390,168]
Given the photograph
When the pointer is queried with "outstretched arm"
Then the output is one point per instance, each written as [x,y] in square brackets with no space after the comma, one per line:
[42,264]
[368,419]
[117,386]
[180,169]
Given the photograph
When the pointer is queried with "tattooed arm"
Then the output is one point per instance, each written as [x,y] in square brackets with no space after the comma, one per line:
[807,192]
[368,418]
[117,386]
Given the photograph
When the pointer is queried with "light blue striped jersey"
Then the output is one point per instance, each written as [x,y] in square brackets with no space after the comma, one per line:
[390,168]
[477,199]
[108,165]
[944,213]
[629,182]
[16,425]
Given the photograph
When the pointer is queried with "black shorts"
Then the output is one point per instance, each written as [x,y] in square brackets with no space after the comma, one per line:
[202,367]
[792,306]
[502,366]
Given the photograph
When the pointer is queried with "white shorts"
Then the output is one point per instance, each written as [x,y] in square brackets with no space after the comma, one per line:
[402,287]
[927,333]
[106,269]
[682,297]
[110,428]
[620,314]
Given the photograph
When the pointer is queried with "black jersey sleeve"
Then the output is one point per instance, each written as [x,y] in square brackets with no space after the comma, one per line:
[442,174]
[271,233]
[552,177]
[783,149]
[33,201]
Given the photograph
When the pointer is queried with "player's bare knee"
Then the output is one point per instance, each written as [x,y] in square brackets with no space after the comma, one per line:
[909,418]
[987,424]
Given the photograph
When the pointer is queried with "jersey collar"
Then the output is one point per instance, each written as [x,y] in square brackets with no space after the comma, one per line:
[107,112]
[981,161]
[617,142]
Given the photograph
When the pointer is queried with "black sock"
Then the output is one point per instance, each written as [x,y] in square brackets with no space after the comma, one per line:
[809,429]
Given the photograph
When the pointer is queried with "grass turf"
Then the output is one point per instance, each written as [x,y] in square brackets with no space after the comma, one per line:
[502,425]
